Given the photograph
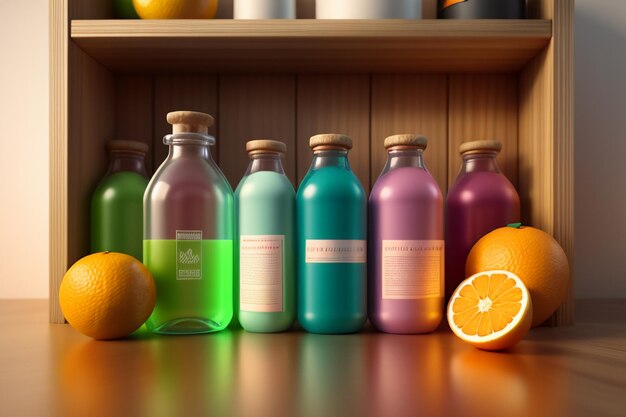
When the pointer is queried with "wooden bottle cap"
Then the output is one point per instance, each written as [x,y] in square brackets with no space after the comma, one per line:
[407,139]
[480,145]
[128,146]
[265,145]
[189,122]
[331,140]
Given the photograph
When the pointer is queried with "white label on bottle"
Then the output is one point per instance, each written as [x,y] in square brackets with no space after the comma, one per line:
[336,251]
[188,254]
[261,273]
[412,269]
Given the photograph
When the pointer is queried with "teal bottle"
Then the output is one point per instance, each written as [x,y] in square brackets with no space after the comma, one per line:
[332,232]
[117,202]
[265,202]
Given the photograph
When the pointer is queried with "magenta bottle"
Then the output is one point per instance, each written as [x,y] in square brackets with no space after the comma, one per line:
[482,199]
[406,247]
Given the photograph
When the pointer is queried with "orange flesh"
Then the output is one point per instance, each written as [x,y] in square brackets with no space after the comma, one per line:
[487,305]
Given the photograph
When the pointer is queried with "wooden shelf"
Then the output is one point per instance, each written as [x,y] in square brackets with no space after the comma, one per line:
[452,81]
[309,46]
[567,371]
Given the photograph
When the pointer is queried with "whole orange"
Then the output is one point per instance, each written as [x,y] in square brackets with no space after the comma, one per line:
[107,295]
[176,9]
[531,254]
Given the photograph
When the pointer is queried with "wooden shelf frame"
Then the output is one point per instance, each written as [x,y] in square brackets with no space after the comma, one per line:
[309,45]
[105,84]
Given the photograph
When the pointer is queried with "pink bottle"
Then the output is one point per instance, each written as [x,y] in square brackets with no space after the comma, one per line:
[482,199]
[406,248]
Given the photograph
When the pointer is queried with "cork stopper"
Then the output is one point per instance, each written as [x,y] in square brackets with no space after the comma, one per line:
[128,146]
[190,122]
[480,146]
[407,139]
[330,141]
[265,146]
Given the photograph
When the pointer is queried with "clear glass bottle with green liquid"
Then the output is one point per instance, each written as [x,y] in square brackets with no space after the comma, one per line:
[117,202]
[332,249]
[265,205]
[189,233]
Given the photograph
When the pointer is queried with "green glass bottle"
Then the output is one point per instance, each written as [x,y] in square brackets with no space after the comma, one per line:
[189,232]
[117,202]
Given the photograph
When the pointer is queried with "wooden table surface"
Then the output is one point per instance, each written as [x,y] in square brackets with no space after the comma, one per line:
[51,370]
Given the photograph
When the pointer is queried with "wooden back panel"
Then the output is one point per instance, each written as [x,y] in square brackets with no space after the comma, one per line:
[447,109]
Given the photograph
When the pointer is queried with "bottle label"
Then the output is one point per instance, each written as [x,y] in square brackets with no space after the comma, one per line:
[412,269]
[261,273]
[188,254]
[336,251]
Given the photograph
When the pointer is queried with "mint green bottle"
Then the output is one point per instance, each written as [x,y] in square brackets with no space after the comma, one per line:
[189,233]
[265,206]
[117,202]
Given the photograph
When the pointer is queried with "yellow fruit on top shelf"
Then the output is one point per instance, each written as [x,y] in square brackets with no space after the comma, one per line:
[176,9]
[531,254]
[490,310]
[107,295]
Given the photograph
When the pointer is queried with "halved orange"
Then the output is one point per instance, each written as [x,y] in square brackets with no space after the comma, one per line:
[491,310]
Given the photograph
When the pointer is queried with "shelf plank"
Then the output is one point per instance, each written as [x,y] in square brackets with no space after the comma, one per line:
[312,46]
[567,371]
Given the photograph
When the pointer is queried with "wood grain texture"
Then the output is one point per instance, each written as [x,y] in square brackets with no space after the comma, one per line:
[546,142]
[483,107]
[335,104]
[563,88]
[305,9]
[133,111]
[182,92]
[91,126]
[58,232]
[313,46]
[256,107]
[225,9]
[91,9]
[411,104]
[574,371]
[429,9]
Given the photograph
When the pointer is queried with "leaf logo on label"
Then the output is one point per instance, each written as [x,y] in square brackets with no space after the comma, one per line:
[188,257]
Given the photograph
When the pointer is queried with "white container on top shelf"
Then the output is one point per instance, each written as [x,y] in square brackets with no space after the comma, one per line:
[368,9]
[265,9]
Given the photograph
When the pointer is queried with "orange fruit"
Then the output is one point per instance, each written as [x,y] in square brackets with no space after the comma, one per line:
[531,254]
[490,310]
[107,295]
[176,9]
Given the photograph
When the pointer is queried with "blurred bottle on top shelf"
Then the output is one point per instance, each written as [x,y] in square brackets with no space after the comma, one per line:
[264,9]
[481,9]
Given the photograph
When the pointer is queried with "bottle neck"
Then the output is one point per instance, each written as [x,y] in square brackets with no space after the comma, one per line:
[480,162]
[330,158]
[189,150]
[404,158]
[127,162]
[265,162]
